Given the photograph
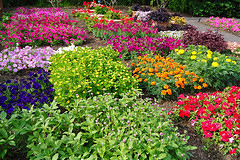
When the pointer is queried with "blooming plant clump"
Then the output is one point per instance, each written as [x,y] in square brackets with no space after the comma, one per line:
[224,23]
[135,29]
[22,94]
[165,78]
[234,47]
[38,26]
[130,48]
[84,72]
[215,116]
[218,70]
[17,59]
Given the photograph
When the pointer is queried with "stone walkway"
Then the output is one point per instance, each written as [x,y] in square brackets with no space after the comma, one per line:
[195,21]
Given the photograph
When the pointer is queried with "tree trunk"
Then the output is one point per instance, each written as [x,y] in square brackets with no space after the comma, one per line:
[1,8]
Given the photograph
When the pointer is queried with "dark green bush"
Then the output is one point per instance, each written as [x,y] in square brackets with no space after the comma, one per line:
[229,8]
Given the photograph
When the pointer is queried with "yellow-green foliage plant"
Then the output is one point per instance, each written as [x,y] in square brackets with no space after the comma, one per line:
[85,72]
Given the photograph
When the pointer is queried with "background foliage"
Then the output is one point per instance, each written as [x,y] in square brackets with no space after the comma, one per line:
[230,8]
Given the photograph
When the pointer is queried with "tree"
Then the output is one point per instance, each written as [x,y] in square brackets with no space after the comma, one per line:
[160,3]
[1,8]
[55,2]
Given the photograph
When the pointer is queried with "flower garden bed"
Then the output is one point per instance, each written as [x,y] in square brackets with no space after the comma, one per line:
[92,105]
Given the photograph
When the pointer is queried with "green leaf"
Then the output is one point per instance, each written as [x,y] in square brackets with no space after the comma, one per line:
[162,156]
[55,157]
[3,115]
[12,143]
[4,133]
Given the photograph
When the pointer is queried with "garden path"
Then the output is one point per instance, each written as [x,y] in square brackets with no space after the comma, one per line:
[197,22]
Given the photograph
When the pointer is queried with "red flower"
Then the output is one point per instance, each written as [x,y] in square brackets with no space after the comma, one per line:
[228,123]
[207,134]
[233,151]
[86,18]
[101,20]
[170,112]
[181,113]
[225,135]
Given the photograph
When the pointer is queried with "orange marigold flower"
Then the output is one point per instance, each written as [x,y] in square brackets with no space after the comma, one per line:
[140,72]
[140,79]
[199,87]
[132,64]
[164,92]
[169,91]
[139,57]
[153,83]
[195,87]
[145,80]
[143,73]
[151,70]
[143,69]
[162,79]
[156,70]
[194,79]
[137,76]
[137,69]
[201,80]
[205,85]
[165,86]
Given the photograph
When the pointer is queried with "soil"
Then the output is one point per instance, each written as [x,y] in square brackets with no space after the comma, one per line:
[194,140]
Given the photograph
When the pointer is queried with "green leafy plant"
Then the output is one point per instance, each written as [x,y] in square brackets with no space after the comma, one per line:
[112,15]
[6,17]
[84,72]
[102,127]
[219,71]
[100,9]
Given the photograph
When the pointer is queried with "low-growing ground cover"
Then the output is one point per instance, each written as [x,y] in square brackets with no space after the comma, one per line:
[92,125]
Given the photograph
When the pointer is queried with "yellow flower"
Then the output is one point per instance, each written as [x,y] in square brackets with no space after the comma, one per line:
[209,52]
[194,52]
[176,50]
[204,60]
[228,60]
[215,64]
[181,51]
[215,58]
[209,56]
[234,62]
[193,57]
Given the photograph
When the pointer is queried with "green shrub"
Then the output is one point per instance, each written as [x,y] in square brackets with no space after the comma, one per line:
[85,72]
[101,127]
[219,71]
[229,8]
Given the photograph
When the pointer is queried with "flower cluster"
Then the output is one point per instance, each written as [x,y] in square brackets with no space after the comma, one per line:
[22,94]
[165,78]
[127,29]
[27,57]
[224,23]
[85,72]
[178,20]
[234,47]
[133,47]
[218,70]
[143,16]
[172,34]
[90,5]
[39,26]
[216,115]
